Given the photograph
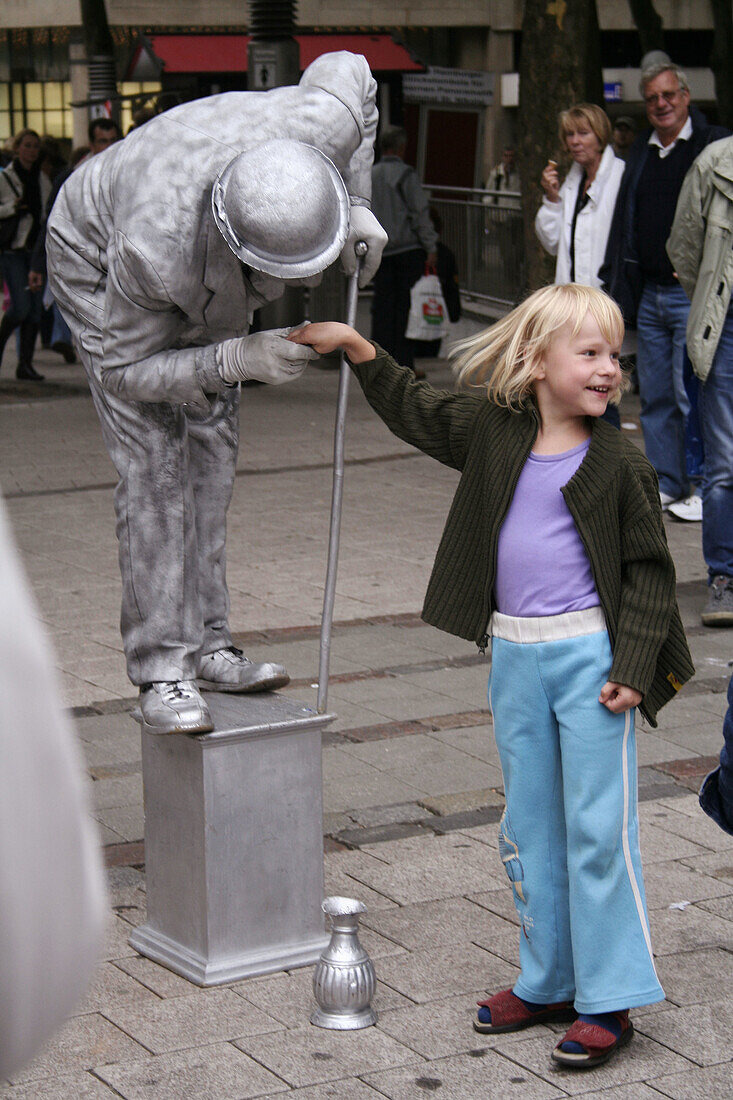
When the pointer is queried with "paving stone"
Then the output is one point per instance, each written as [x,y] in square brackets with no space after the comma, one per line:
[499,901]
[701,1033]
[433,924]
[122,791]
[713,1083]
[670,882]
[127,821]
[637,1091]
[429,766]
[336,881]
[351,784]
[698,828]
[642,1060]
[441,1028]
[485,834]
[118,933]
[431,975]
[84,1042]
[181,1022]
[722,907]
[219,1071]
[75,1086]
[446,804]
[110,986]
[313,1055]
[464,1076]
[335,1090]
[157,978]
[430,867]
[717,864]
[687,929]
[398,813]
[289,997]
[694,977]
[658,845]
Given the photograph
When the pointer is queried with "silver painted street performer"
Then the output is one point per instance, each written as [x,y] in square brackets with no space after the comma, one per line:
[159,251]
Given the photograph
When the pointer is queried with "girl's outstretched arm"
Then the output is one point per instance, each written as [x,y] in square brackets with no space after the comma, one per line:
[327,336]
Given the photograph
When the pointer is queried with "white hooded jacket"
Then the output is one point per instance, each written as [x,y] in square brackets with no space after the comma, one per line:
[554,220]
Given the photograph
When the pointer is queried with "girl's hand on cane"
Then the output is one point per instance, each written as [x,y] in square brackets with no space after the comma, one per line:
[618,697]
[327,336]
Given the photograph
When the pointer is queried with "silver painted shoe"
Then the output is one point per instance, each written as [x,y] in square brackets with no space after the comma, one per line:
[174,706]
[229,670]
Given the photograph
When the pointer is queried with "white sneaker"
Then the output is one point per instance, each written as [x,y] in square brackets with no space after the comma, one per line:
[665,500]
[689,509]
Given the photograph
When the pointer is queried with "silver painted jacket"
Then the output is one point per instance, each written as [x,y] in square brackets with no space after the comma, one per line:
[134,254]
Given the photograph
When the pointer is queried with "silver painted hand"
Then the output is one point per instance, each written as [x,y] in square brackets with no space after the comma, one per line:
[363,226]
[264,356]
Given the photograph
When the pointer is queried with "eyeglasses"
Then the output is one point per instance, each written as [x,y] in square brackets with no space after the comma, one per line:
[668,97]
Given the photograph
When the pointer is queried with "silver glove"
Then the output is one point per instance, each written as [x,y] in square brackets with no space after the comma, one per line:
[264,356]
[363,226]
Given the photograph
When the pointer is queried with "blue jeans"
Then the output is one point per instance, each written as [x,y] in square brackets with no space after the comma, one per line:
[715,402]
[665,406]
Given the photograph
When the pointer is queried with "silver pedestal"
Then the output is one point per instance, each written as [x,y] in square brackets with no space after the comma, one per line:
[234,842]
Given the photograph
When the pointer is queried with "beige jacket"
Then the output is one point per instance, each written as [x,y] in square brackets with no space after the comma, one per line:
[700,247]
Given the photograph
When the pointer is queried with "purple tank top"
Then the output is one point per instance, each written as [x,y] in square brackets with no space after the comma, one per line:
[542,567]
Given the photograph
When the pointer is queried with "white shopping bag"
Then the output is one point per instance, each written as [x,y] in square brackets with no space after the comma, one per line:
[428,316]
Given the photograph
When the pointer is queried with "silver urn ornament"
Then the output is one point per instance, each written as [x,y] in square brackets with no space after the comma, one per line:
[344,979]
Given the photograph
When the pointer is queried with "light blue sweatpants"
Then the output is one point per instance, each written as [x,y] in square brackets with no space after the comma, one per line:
[569,837]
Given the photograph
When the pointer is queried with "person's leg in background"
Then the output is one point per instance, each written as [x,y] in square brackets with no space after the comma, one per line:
[716,418]
[664,403]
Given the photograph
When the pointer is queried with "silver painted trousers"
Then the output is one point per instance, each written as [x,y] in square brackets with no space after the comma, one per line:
[176,474]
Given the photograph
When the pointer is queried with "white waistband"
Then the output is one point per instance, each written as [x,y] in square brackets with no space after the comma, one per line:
[548,628]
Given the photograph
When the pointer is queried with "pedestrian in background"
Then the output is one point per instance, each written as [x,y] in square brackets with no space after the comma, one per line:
[401,206]
[638,274]
[624,134]
[701,248]
[589,634]
[24,190]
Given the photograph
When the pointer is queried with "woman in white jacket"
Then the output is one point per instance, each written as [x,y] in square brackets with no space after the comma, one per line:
[574,220]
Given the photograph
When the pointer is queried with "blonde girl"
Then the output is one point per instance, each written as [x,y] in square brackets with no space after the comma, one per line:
[554,546]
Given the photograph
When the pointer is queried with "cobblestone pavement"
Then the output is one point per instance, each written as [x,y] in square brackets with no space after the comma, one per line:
[412,786]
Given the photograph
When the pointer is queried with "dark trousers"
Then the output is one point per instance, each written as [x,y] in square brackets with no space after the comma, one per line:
[391,303]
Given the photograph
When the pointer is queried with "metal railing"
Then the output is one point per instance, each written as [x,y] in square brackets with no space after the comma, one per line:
[484,230]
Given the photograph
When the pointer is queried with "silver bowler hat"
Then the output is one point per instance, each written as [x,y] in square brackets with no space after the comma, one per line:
[283,208]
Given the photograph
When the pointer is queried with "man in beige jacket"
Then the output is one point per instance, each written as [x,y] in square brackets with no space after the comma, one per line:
[701,248]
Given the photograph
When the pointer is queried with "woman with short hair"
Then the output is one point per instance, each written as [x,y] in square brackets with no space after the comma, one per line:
[574,220]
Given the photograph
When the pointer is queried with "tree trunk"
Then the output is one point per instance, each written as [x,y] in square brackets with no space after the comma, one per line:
[720,59]
[648,24]
[560,66]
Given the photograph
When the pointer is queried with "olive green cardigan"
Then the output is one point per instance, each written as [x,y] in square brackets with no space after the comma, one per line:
[613,498]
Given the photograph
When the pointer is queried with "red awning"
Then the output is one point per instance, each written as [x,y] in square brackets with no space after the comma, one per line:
[227,53]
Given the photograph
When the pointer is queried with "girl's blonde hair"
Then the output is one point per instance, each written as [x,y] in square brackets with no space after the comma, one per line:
[505,357]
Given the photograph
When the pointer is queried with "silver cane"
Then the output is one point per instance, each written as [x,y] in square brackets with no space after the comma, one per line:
[337,491]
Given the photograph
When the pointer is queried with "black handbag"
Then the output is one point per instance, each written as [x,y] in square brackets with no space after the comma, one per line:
[9,225]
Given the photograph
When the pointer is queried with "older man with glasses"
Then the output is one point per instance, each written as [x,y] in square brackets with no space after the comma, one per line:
[639,275]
